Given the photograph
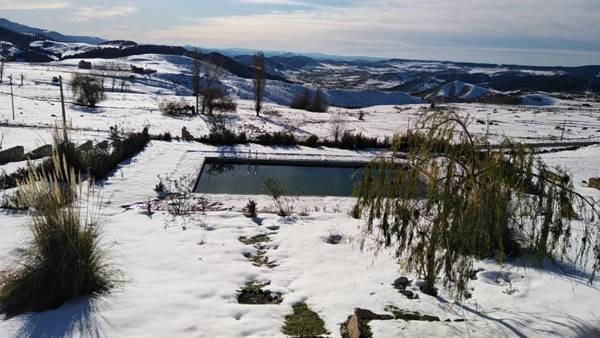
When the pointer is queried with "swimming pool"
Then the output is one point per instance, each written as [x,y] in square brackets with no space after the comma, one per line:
[296,177]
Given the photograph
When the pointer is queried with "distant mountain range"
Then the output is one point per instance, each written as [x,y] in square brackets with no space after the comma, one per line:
[233,52]
[427,80]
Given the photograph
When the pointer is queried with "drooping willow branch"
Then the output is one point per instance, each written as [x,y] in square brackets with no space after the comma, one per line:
[455,199]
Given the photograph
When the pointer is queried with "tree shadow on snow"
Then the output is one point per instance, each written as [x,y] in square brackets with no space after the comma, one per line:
[557,269]
[550,320]
[286,126]
[81,108]
[501,321]
[72,319]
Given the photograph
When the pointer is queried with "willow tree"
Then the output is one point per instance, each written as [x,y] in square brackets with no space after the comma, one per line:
[454,198]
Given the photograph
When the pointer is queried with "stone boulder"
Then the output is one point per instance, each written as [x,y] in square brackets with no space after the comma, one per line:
[14,154]
[85,146]
[43,151]
[594,182]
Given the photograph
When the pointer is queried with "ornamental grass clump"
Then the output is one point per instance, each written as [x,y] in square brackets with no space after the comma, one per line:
[64,259]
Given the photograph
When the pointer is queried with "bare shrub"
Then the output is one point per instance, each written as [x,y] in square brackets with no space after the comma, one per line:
[175,107]
[334,237]
[337,126]
[250,209]
[178,192]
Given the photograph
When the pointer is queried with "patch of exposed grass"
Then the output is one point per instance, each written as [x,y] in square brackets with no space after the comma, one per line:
[255,239]
[304,323]
[253,293]
[250,209]
[335,237]
[259,259]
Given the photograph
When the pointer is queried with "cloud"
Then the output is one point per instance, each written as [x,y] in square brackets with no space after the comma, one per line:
[32,5]
[103,12]
[395,24]
[275,2]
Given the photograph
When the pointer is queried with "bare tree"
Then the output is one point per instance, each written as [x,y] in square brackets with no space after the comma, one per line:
[217,100]
[124,85]
[259,81]
[196,76]
[114,70]
[3,58]
[210,92]
[337,126]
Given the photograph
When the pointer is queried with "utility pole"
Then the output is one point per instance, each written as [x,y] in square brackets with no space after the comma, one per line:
[62,104]
[563,130]
[12,99]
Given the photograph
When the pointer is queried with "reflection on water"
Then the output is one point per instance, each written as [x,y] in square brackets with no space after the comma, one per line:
[216,169]
[220,178]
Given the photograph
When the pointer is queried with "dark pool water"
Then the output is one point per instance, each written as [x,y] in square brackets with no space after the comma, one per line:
[301,180]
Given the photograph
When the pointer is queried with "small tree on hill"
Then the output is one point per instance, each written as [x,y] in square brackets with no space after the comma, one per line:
[259,81]
[215,99]
[455,198]
[3,58]
[87,89]
[210,92]
[319,102]
[316,103]
[301,101]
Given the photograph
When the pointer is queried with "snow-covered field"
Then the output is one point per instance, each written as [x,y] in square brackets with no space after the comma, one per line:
[181,274]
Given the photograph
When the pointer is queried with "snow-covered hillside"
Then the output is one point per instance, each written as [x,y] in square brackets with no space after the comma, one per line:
[460,90]
[174,76]
[37,103]
[69,48]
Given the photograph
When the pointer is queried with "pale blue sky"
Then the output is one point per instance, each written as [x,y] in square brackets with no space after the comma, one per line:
[538,32]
